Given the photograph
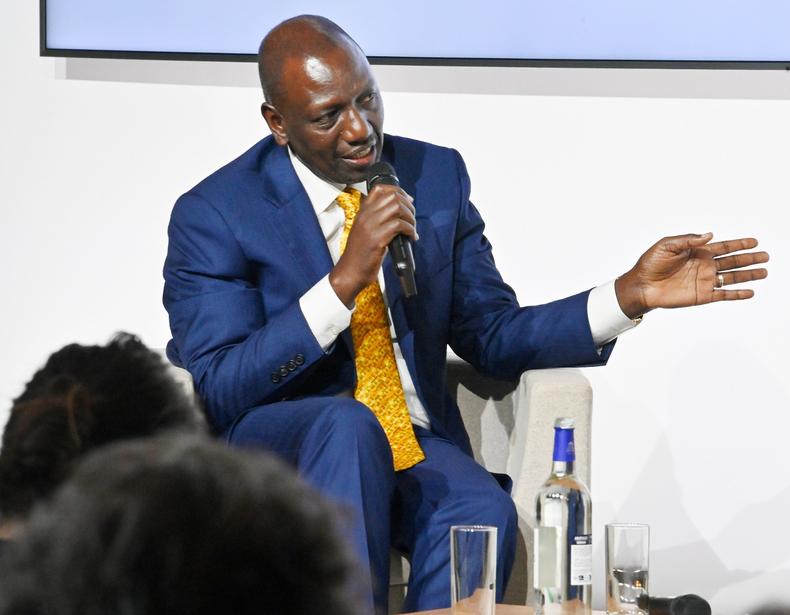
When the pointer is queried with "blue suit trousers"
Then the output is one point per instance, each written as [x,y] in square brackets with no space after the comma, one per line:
[338,446]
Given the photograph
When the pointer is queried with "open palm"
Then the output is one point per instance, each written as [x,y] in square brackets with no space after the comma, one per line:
[688,270]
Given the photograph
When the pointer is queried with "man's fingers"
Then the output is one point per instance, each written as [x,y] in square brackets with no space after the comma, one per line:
[383,193]
[679,243]
[393,203]
[390,206]
[407,213]
[741,260]
[732,295]
[739,277]
[399,227]
[719,248]
[409,203]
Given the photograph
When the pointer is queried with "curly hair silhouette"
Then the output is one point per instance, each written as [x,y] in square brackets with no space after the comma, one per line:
[85,397]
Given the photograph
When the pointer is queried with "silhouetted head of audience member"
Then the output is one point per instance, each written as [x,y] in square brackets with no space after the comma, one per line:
[180,526]
[85,397]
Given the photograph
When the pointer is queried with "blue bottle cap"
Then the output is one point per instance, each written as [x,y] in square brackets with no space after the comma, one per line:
[564,449]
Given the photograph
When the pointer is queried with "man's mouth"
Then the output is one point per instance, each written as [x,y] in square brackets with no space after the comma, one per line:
[362,156]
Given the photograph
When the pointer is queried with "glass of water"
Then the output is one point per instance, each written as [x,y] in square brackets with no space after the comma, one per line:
[627,548]
[473,569]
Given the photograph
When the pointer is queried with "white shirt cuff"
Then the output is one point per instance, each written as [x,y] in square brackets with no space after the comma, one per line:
[606,319]
[324,312]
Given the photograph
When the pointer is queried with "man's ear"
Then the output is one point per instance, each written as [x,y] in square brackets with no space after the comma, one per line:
[276,123]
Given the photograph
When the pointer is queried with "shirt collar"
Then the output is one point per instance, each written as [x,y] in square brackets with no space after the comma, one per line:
[322,193]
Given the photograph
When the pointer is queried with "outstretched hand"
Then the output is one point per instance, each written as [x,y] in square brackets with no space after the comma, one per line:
[687,270]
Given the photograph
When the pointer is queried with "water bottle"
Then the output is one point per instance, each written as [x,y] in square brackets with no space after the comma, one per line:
[562,570]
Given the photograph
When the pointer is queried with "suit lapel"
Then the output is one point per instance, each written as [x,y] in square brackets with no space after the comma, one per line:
[296,223]
[294,217]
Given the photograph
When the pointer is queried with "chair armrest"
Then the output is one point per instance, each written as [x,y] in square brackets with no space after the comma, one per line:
[541,397]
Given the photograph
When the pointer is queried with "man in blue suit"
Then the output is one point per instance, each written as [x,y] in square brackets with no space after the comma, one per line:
[260,299]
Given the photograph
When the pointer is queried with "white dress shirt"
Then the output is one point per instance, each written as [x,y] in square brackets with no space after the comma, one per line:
[327,316]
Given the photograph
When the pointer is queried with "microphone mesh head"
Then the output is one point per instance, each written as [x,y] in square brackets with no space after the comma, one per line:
[382,173]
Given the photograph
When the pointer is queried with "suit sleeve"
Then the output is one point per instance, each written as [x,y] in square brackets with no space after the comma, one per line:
[237,356]
[490,330]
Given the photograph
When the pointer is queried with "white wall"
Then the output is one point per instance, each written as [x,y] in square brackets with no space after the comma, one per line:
[576,172]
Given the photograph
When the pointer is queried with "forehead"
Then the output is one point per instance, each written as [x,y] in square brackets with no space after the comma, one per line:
[328,77]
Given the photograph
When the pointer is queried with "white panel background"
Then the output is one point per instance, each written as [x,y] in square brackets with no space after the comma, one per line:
[575,171]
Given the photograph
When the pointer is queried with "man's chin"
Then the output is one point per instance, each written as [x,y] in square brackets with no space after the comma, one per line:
[354,174]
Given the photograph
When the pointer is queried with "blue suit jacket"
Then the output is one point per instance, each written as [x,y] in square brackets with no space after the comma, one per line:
[245,245]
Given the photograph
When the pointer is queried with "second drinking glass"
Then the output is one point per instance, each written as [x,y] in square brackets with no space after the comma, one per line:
[627,547]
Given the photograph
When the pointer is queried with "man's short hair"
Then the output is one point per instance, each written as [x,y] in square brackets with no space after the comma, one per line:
[180,526]
[85,397]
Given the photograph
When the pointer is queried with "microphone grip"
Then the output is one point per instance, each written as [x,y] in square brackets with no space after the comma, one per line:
[400,247]
[403,260]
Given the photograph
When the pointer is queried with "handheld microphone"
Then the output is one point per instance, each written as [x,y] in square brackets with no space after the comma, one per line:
[689,604]
[400,246]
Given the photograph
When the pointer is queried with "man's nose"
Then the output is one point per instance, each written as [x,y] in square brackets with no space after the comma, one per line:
[356,127]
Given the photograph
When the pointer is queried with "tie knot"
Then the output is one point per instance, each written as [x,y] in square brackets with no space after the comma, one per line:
[349,201]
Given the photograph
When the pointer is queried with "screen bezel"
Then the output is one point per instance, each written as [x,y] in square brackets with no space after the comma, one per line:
[46,51]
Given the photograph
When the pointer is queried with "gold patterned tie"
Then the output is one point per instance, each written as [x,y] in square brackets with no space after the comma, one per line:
[378,382]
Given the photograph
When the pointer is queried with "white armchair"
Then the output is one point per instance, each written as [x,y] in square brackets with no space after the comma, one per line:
[511,427]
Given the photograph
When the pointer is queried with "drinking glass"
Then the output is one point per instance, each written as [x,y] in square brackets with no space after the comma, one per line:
[627,547]
[473,569]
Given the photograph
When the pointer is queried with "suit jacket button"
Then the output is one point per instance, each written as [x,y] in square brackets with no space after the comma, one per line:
[291,365]
[275,377]
[299,359]
[283,371]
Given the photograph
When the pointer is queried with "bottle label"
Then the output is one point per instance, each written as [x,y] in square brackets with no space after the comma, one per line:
[563,445]
[581,560]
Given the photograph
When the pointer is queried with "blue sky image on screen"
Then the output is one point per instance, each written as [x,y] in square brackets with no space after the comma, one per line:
[704,30]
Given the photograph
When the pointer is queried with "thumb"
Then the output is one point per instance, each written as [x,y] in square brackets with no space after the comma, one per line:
[679,243]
